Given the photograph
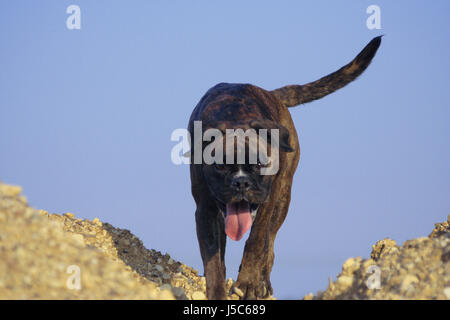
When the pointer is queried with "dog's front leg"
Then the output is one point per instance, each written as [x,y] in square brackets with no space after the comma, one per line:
[257,262]
[211,238]
[254,272]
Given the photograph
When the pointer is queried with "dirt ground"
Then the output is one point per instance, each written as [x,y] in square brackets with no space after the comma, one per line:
[53,256]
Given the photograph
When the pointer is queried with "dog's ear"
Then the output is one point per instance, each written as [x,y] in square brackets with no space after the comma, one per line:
[283,136]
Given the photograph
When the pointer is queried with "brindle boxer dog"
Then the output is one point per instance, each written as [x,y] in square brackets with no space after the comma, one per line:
[231,198]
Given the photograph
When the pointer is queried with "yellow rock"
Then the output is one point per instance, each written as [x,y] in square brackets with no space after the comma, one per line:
[10,191]
[407,280]
[351,265]
[166,295]
[198,295]
[447,292]
[69,215]
[344,282]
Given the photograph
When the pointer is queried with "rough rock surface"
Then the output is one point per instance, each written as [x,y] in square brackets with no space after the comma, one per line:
[43,255]
[419,269]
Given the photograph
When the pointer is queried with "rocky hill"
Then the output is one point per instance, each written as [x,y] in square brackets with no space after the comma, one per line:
[418,269]
[53,256]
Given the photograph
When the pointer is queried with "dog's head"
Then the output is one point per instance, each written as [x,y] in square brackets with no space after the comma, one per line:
[240,179]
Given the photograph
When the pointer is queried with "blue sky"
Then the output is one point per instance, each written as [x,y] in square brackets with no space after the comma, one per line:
[86,118]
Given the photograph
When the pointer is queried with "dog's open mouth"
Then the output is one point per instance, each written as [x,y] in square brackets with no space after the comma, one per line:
[239,218]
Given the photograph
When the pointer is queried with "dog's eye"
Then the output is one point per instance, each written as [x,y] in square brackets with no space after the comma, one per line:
[260,165]
[219,166]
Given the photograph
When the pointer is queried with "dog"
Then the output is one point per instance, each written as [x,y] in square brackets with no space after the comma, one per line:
[233,198]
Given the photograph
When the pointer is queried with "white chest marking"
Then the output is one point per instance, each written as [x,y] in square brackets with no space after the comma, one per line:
[240,173]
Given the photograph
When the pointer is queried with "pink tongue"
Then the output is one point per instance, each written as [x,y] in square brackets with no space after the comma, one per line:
[238,219]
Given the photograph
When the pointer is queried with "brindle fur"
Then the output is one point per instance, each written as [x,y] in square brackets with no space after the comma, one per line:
[297,94]
[229,104]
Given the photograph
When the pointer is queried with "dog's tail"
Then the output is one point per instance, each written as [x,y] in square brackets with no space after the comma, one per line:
[293,95]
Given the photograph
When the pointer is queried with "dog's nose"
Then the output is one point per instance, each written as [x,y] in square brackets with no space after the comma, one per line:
[240,183]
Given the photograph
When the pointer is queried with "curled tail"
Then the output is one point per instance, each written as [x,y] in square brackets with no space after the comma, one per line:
[293,95]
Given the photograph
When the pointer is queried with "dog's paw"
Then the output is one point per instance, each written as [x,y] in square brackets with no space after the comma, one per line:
[253,290]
